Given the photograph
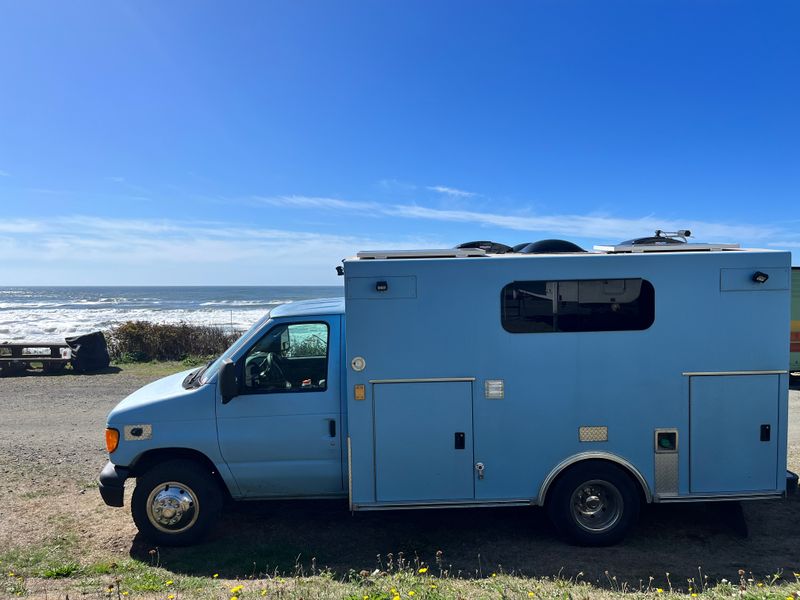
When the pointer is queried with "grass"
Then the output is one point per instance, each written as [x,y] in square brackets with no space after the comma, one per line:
[54,570]
[158,368]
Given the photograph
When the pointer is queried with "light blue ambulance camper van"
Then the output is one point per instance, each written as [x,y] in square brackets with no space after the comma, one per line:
[588,383]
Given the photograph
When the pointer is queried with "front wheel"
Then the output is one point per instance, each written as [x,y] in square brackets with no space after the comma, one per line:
[175,503]
[594,504]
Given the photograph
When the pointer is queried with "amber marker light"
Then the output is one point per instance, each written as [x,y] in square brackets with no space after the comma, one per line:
[112,439]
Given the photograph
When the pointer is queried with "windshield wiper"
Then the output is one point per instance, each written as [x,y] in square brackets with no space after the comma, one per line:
[194,376]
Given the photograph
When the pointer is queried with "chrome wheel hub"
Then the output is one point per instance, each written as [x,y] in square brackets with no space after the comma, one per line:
[596,506]
[172,507]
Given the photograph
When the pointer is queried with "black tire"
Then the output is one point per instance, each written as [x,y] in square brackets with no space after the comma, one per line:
[594,504]
[176,502]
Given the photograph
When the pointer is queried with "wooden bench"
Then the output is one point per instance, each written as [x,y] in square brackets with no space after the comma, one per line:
[20,355]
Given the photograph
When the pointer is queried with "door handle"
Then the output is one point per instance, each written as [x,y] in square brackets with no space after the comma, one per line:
[332,428]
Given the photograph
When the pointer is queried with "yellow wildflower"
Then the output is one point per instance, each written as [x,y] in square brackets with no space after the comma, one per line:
[423,570]
[169,582]
[171,597]
[215,575]
[694,595]
[393,591]
[236,589]
[411,593]
[234,597]
[494,574]
[434,586]
[395,597]
[263,592]
[124,593]
[530,594]
[659,591]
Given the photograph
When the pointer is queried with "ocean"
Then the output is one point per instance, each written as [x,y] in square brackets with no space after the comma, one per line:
[53,313]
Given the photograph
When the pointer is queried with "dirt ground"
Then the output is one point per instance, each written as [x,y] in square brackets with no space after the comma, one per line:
[51,451]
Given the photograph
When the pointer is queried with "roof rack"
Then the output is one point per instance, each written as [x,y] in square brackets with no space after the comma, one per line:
[429,253]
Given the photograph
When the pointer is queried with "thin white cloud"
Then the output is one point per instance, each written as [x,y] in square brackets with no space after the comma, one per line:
[601,227]
[314,202]
[449,191]
[784,244]
[4,173]
[586,226]
[19,226]
[88,250]
[395,185]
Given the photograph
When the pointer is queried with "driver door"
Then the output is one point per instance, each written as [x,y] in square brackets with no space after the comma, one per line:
[281,436]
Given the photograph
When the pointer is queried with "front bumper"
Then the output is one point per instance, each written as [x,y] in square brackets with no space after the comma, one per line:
[112,483]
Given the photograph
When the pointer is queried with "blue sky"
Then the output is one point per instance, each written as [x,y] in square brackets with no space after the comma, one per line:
[182,142]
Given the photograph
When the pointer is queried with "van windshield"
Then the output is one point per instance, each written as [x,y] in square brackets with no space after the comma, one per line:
[214,366]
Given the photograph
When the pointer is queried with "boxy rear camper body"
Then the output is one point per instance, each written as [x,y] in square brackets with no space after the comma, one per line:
[687,393]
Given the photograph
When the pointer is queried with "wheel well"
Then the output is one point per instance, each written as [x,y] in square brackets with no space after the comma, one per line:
[638,481]
[153,457]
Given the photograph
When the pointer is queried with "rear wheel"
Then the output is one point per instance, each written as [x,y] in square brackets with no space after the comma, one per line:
[594,504]
[175,503]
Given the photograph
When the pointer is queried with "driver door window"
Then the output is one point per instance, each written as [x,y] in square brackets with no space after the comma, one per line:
[289,358]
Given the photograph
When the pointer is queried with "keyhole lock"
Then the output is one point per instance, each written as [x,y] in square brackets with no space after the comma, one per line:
[479,467]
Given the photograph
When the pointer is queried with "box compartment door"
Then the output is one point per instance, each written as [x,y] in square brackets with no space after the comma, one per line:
[423,442]
[734,433]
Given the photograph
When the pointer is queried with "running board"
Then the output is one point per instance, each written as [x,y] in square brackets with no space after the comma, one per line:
[443,504]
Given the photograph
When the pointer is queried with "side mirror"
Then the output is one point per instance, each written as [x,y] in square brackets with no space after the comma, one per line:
[228,385]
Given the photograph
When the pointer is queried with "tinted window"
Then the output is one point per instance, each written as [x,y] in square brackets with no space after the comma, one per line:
[583,305]
[289,358]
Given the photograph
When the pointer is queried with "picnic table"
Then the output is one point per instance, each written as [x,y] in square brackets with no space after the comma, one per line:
[52,356]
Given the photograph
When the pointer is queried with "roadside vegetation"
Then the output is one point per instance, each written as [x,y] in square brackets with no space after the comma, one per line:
[142,341]
[54,571]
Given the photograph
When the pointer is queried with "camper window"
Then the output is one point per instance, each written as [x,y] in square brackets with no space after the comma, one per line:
[572,306]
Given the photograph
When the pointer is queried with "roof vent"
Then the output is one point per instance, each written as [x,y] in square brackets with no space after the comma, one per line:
[486,246]
[548,247]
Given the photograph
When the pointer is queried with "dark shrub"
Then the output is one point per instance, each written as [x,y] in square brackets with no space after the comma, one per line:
[142,341]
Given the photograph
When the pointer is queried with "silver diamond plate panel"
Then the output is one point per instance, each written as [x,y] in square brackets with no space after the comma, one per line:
[146,432]
[667,474]
[593,434]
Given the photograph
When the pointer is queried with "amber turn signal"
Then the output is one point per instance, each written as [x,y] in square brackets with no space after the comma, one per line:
[112,439]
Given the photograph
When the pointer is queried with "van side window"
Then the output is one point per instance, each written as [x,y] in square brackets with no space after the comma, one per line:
[289,358]
[582,305]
